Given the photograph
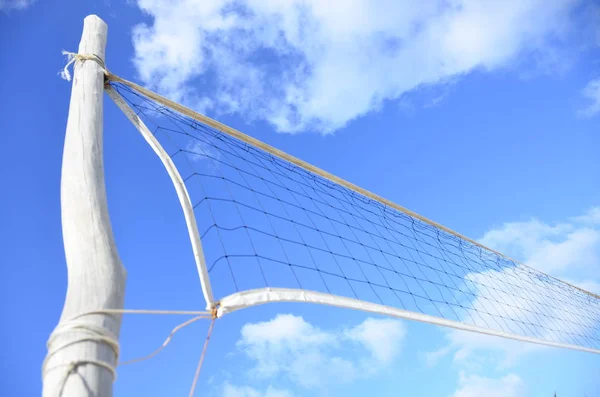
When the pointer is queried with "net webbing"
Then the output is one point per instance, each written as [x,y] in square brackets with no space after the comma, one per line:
[265,222]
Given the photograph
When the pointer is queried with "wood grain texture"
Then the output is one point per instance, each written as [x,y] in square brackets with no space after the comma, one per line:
[96,276]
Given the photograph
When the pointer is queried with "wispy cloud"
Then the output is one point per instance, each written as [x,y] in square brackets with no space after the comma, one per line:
[591,92]
[382,338]
[510,385]
[199,150]
[569,250]
[591,217]
[289,347]
[230,390]
[316,65]
[10,5]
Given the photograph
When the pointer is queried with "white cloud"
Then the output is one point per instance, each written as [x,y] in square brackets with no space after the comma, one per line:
[288,344]
[591,217]
[591,92]
[586,284]
[560,249]
[9,5]
[230,390]
[510,385]
[199,150]
[431,358]
[380,337]
[475,351]
[312,64]
[578,250]
[512,298]
[523,239]
[310,357]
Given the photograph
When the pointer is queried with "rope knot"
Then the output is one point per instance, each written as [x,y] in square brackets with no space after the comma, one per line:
[79,332]
[74,57]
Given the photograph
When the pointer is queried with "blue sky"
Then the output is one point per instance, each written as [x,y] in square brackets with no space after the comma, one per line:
[484,118]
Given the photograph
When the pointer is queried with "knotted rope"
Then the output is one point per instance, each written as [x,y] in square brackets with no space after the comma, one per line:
[89,332]
[74,57]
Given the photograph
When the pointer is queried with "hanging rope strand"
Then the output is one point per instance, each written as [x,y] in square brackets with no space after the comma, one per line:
[201,361]
[89,332]
[166,342]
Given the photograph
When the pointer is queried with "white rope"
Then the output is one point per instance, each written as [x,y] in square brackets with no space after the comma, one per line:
[86,332]
[73,57]
[311,168]
[89,332]
[166,342]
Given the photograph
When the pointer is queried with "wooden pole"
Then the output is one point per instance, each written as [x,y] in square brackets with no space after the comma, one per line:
[78,348]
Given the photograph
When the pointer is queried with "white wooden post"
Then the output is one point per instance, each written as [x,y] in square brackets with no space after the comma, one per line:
[96,277]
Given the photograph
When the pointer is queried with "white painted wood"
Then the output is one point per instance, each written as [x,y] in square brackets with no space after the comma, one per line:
[96,277]
[255,297]
[180,189]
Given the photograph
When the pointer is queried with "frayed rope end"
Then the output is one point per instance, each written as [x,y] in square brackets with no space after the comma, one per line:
[65,74]
[72,57]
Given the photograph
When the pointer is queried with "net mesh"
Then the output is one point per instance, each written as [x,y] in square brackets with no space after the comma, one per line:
[265,222]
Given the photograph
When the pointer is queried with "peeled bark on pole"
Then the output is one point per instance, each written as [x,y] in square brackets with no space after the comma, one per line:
[96,276]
